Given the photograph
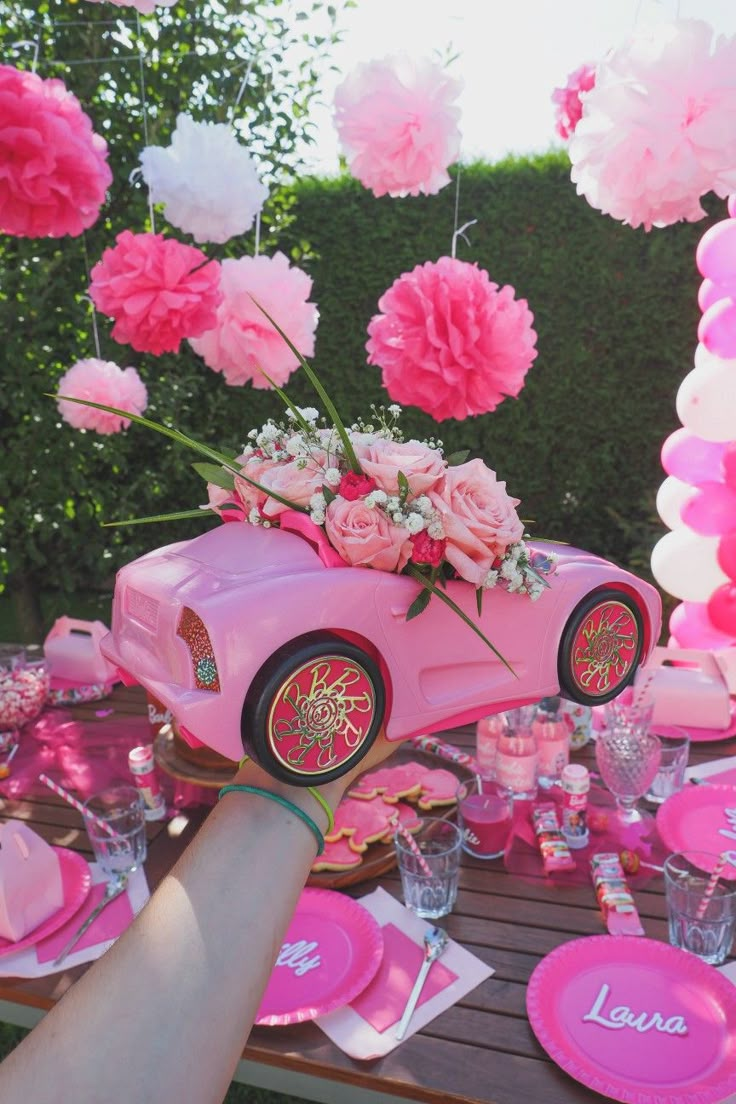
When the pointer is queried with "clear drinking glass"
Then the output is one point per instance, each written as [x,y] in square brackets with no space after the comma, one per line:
[628,759]
[629,711]
[670,778]
[701,920]
[116,826]
[439,842]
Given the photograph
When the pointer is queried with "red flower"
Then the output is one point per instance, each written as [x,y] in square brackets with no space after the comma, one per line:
[355,485]
[426,550]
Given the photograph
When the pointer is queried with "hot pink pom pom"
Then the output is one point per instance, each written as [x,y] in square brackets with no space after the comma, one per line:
[53,167]
[449,341]
[568,100]
[158,291]
[657,132]
[398,125]
[243,344]
[101,381]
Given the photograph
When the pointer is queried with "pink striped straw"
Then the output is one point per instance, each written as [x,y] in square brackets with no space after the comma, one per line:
[711,886]
[70,800]
[413,847]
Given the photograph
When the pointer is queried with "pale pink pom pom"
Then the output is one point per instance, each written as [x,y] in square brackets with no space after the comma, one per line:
[398,125]
[450,341]
[145,7]
[53,167]
[158,290]
[658,129]
[243,344]
[101,381]
[568,101]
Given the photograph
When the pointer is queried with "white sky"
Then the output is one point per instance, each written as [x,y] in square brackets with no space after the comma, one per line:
[513,53]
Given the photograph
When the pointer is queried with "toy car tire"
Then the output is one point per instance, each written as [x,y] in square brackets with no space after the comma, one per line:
[600,648]
[314,710]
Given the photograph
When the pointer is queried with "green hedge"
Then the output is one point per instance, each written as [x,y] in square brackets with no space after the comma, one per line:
[616,314]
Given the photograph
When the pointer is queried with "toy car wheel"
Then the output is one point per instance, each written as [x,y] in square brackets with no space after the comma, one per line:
[600,647]
[313,710]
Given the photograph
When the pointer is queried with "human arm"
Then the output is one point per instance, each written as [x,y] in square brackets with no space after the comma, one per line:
[171,1004]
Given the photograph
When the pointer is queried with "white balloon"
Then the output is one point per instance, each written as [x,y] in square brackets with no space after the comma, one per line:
[705,359]
[685,565]
[671,497]
[706,401]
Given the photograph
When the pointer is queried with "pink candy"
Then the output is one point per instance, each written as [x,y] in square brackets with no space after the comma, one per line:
[23,692]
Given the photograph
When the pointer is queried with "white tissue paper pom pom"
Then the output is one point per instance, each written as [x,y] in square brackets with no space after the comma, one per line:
[206,181]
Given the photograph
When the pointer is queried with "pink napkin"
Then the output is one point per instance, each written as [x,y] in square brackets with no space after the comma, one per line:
[382,1003]
[112,921]
[365,1029]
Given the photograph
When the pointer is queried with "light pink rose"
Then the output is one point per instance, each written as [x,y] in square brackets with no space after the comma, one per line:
[383,460]
[291,482]
[255,468]
[479,519]
[365,537]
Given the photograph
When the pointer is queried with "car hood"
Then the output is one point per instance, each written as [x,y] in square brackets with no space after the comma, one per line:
[238,549]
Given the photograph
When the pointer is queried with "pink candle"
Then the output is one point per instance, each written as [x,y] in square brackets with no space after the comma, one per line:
[485,812]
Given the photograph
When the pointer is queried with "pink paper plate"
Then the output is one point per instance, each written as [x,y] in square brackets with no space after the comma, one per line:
[331,951]
[76,882]
[580,995]
[696,818]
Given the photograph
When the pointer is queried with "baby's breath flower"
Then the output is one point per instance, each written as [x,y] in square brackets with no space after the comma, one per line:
[318,502]
[252,434]
[415,523]
[333,477]
[318,517]
[380,497]
[490,580]
[435,530]
[424,505]
[398,518]
[254,516]
[392,503]
[394,410]
[370,500]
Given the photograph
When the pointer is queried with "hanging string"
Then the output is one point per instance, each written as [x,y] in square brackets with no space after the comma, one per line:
[459,233]
[241,90]
[88,298]
[144,110]
[258,233]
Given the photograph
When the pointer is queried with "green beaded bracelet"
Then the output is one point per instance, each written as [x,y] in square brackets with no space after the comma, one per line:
[315,794]
[283,801]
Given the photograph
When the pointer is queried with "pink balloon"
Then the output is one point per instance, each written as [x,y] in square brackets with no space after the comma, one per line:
[717,329]
[710,293]
[726,555]
[716,254]
[722,609]
[732,206]
[728,465]
[693,628]
[692,459]
[711,511]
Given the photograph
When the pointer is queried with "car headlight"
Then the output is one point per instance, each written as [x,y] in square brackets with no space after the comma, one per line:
[194,633]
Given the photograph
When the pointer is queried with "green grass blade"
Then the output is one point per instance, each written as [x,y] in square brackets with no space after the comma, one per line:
[180,515]
[329,406]
[298,418]
[420,578]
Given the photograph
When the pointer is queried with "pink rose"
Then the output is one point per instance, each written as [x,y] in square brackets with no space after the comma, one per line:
[479,519]
[255,468]
[293,483]
[365,537]
[354,485]
[383,460]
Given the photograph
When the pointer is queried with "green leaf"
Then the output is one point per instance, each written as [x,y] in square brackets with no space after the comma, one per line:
[329,406]
[458,457]
[403,486]
[479,599]
[182,439]
[217,475]
[329,494]
[419,604]
[298,417]
[420,578]
[178,516]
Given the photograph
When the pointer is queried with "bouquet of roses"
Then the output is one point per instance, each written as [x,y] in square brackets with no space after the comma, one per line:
[377,500]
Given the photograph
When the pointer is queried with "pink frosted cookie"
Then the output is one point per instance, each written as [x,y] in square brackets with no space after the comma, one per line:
[407,816]
[439,787]
[336,856]
[391,782]
[362,822]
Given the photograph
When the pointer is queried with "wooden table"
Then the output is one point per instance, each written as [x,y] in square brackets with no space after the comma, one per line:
[481,1049]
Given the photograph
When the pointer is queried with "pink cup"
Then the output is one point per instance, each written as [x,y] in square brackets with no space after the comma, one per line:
[485,810]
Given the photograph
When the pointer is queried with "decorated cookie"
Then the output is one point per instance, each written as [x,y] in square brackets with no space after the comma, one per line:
[337,856]
[439,787]
[407,816]
[392,783]
[363,821]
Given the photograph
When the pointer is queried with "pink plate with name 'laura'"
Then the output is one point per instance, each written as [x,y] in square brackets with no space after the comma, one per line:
[330,953]
[701,818]
[636,1020]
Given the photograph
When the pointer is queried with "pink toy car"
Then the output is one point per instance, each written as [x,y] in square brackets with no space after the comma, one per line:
[258,647]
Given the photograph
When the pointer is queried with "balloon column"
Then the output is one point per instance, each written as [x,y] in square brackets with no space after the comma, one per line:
[696,560]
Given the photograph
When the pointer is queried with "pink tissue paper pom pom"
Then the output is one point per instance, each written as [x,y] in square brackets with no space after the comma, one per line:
[158,290]
[397,122]
[657,130]
[568,101]
[101,381]
[145,7]
[53,167]
[243,344]
[450,341]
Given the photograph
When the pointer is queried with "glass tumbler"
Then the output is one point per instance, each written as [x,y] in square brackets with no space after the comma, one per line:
[116,826]
[701,915]
[429,879]
[670,778]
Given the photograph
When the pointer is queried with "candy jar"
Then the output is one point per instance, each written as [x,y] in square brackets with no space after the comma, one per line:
[24,688]
[516,762]
[487,732]
[553,741]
